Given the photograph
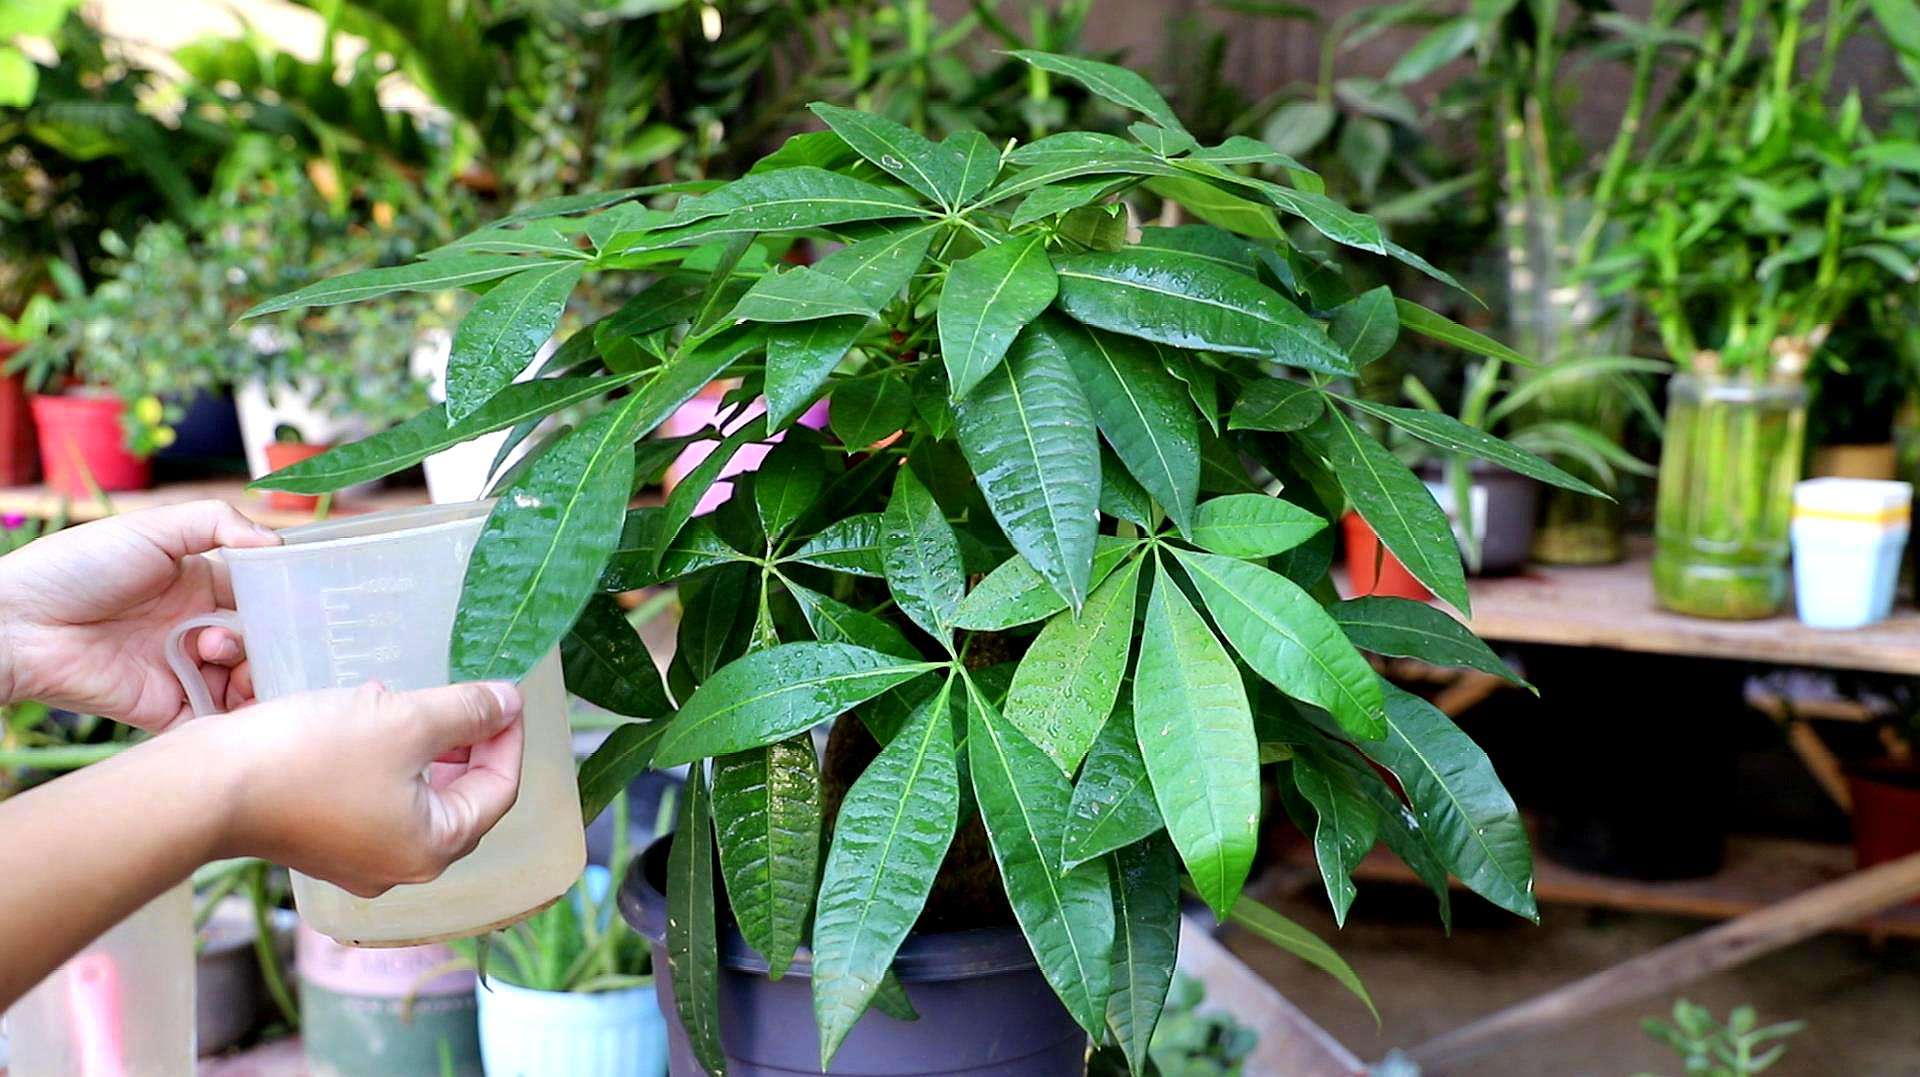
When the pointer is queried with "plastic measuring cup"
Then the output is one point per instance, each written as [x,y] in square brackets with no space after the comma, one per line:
[123,1007]
[373,597]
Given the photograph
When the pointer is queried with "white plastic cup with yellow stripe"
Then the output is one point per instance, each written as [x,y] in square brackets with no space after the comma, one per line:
[1848,535]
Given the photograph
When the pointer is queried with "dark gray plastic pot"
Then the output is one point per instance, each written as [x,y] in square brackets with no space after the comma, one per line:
[985,1010]
[1512,502]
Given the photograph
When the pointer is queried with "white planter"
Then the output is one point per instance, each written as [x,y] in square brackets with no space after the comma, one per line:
[1847,538]
[265,409]
[463,472]
[558,1034]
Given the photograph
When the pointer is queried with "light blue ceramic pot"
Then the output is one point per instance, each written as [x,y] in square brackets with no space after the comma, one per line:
[562,1034]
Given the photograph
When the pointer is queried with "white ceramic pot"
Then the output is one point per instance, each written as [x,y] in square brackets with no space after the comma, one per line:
[1847,536]
[559,1034]
[463,472]
[264,409]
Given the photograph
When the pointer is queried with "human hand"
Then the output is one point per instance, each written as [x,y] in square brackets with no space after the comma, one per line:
[338,784]
[84,613]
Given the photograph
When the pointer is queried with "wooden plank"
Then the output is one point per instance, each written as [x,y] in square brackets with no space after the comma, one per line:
[1290,1042]
[40,503]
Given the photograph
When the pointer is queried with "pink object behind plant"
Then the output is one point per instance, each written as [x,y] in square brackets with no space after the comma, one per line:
[699,414]
[93,1000]
[382,972]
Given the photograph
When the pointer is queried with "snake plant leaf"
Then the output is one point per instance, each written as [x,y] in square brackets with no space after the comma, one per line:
[1289,639]
[799,359]
[767,806]
[1115,83]
[1014,594]
[799,294]
[1253,525]
[888,843]
[988,298]
[867,410]
[693,936]
[1067,916]
[1455,436]
[1028,434]
[429,432]
[538,558]
[791,198]
[789,482]
[1142,411]
[623,756]
[1195,730]
[1447,331]
[1366,326]
[631,566]
[1395,503]
[1068,680]
[1467,815]
[772,694]
[693,487]
[499,337]
[1279,931]
[921,557]
[1345,827]
[1402,628]
[607,665]
[1146,943]
[1113,805]
[1277,405]
[834,621]
[850,544]
[1180,300]
[937,171]
[434,275]
[980,161]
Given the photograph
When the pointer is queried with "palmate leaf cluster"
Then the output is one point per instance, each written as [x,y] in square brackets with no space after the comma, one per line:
[1035,553]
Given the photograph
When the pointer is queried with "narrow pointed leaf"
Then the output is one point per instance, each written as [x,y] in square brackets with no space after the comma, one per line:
[921,557]
[799,359]
[693,487]
[937,171]
[980,161]
[1115,83]
[501,334]
[1146,943]
[1447,331]
[1070,676]
[792,198]
[1061,197]
[989,297]
[1195,730]
[1403,628]
[1014,594]
[1113,804]
[1301,943]
[834,621]
[623,756]
[850,544]
[880,265]
[1143,412]
[868,410]
[788,483]
[607,665]
[1253,525]
[693,936]
[688,373]
[1451,434]
[799,294]
[767,803]
[1276,404]
[1366,326]
[1345,827]
[436,275]
[635,562]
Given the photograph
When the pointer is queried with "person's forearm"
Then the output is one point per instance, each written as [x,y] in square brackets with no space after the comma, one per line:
[83,852]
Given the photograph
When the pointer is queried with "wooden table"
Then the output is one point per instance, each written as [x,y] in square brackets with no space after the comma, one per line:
[40,503]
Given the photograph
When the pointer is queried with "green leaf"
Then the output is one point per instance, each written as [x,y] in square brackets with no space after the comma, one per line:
[1071,155]
[1402,628]
[1162,141]
[850,544]
[1062,197]
[1366,326]
[921,557]
[889,840]
[1441,46]
[1195,730]
[798,295]
[1115,83]
[1447,331]
[1146,942]
[891,999]
[834,621]
[622,757]
[607,665]
[980,161]
[937,171]
[1121,496]
[1224,209]
[636,562]
[1216,245]
[799,359]
[434,275]
[427,433]
[1028,434]
[788,482]
[718,618]
[693,937]
[1070,676]
[1289,639]
[989,297]
[1113,805]
[868,409]
[1182,301]
[1276,404]
[772,694]
[1253,525]
[1014,594]
[1297,127]
[767,805]
[1395,503]
[19,77]
[1242,150]
[792,198]
[1067,916]
[688,373]
[1345,827]
[879,265]
[1142,410]
[1450,433]
[693,487]
[545,238]
[1301,943]
[538,558]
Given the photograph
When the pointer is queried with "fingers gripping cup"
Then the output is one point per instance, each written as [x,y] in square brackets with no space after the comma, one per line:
[369,598]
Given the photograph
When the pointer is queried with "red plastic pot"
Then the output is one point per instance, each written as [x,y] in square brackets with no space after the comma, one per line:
[283,454]
[81,441]
[1371,570]
[19,459]
[1886,811]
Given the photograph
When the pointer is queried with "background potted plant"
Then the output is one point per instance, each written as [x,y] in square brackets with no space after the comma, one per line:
[19,453]
[1004,322]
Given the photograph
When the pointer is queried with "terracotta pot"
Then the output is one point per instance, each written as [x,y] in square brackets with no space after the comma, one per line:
[19,460]
[81,441]
[282,454]
[1855,462]
[1371,570]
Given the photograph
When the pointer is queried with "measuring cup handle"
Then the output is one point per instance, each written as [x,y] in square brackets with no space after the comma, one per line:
[186,668]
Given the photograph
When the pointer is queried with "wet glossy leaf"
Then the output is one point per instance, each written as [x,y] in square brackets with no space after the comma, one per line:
[799,359]
[1399,829]
[693,937]
[1276,404]
[1345,827]
[607,665]
[1447,331]
[689,372]
[799,294]
[789,482]
[1043,164]
[1121,495]
[1162,141]
[1070,676]
[498,338]
[1061,197]
[888,843]
[1185,302]
[1301,943]
[1366,326]
[1141,409]
[1146,942]
[632,566]
[1244,150]
[891,999]
[1113,804]
[937,171]
[1395,503]
[1014,594]
[1285,636]
[988,298]
[1215,245]
[850,544]
[980,161]
[1402,628]
[435,275]
[692,488]
[921,557]
[867,410]
[1253,525]
[1224,209]
[790,198]
[719,611]
[1028,433]
[773,694]
[1450,433]
[1195,730]
[1067,916]
[767,805]
[1115,83]
[834,621]
[623,756]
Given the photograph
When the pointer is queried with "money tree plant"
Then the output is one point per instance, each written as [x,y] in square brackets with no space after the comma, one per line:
[1061,553]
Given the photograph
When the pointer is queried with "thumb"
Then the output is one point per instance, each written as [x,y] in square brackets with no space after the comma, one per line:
[464,809]
[439,720]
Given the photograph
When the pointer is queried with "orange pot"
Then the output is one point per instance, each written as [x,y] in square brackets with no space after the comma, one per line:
[283,454]
[1371,570]
[81,439]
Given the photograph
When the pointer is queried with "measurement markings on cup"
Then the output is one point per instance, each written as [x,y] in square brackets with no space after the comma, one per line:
[359,646]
